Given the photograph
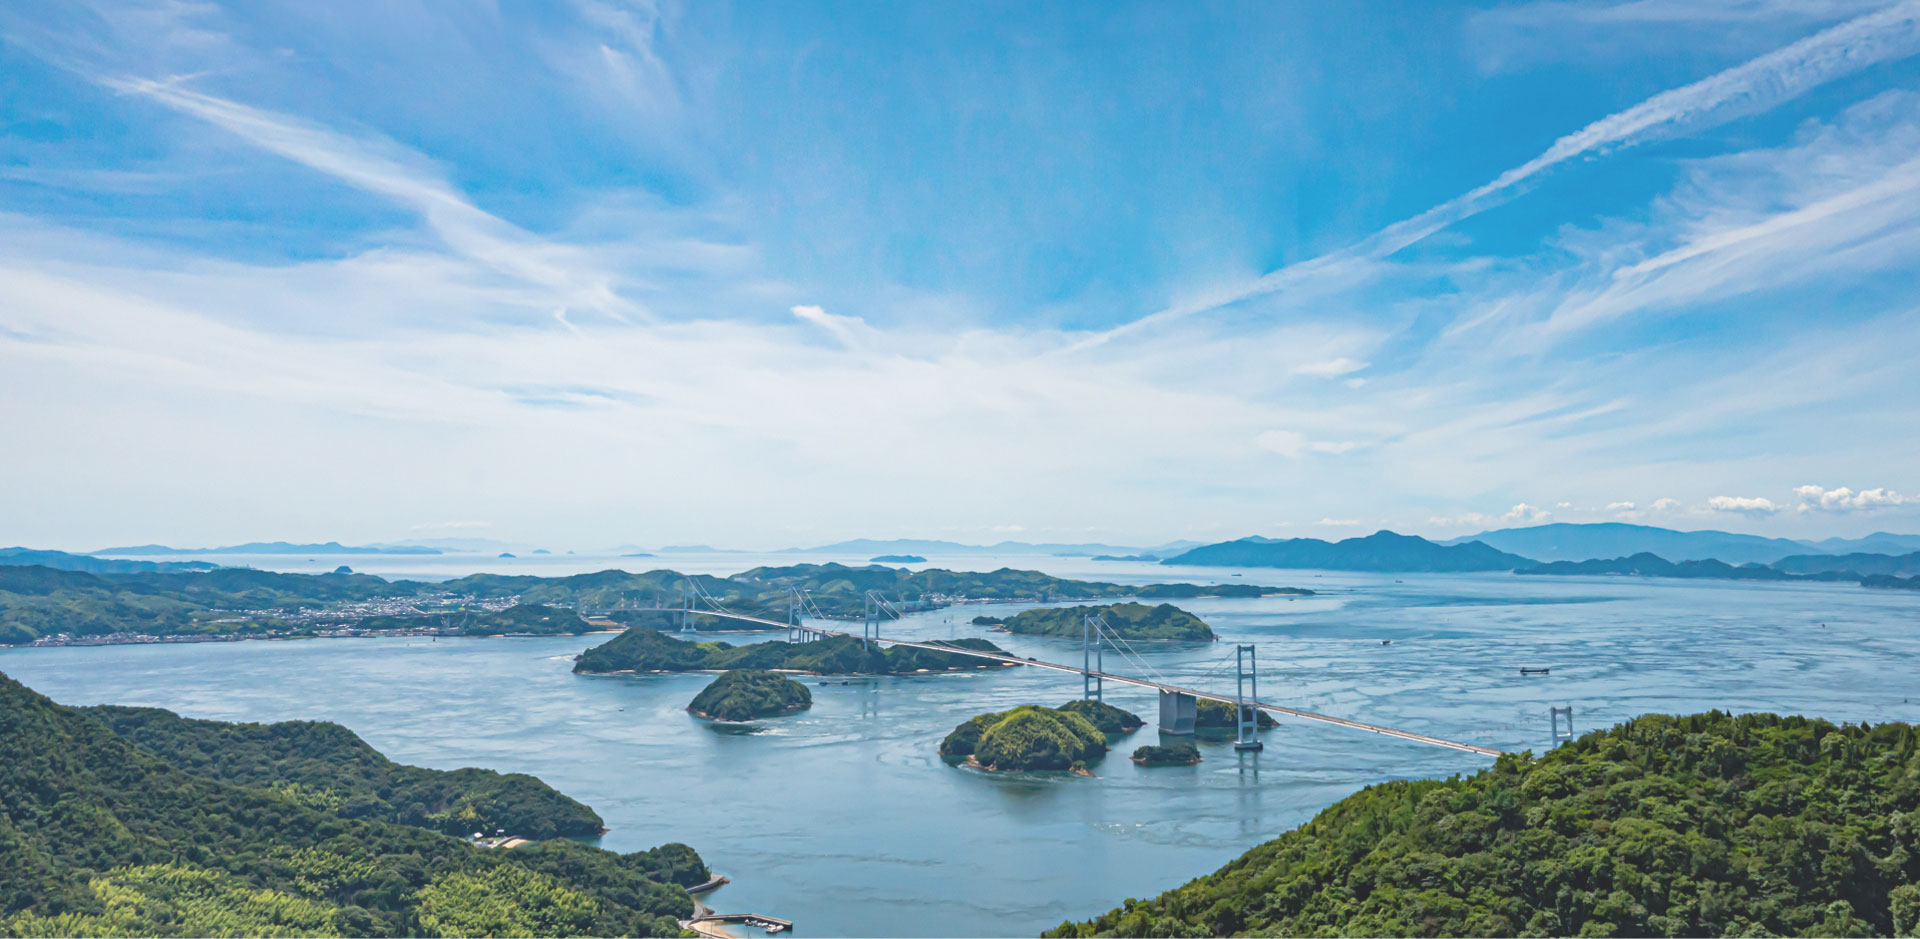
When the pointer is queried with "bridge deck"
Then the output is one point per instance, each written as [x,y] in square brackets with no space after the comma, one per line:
[1129,680]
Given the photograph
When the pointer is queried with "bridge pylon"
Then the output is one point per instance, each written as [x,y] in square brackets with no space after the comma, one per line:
[870,621]
[1554,714]
[1246,710]
[686,606]
[1092,665]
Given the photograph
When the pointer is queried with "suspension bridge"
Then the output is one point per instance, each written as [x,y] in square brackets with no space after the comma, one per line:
[1178,705]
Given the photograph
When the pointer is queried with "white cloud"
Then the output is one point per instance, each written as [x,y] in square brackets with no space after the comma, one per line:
[1339,522]
[1331,368]
[1292,444]
[1743,505]
[1843,499]
[1665,505]
[1526,514]
[1563,505]
[1620,507]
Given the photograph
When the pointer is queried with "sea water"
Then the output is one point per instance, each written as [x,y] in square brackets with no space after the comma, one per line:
[845,820]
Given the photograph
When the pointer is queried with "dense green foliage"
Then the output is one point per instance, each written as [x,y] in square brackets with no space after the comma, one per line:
[1218,715]
[328,767]
[745,693]
[1709,825]
[1110,719]
[1180,753]
[1029,737]
[646,650]
[1126,620]
[100,838]
[521,619]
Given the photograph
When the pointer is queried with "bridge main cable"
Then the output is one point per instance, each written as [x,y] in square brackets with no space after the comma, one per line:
[1141,682]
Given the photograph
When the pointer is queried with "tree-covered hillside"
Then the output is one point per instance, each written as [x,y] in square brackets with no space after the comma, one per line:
[1126,620]
[646,650]
[1709,825]
[100,838]
[326,766]
[744,694]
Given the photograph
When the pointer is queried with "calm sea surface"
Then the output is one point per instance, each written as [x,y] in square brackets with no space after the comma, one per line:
[845,820]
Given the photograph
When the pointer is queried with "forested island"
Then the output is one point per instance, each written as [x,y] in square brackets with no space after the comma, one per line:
[1126,620]
[647,650]
[1219,715]
[102,837]
[1708,825]
[1380,551]
[743,694]
[899,559]
[1035,737]
[1180,753]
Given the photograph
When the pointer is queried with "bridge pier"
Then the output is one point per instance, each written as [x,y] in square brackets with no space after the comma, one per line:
[1179,712]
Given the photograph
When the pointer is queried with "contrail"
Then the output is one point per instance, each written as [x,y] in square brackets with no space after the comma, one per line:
[1754,86]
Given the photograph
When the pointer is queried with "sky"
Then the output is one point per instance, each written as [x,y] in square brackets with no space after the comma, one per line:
[765,274]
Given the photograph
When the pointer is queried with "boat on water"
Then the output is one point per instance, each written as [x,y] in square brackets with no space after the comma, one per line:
[1534,671]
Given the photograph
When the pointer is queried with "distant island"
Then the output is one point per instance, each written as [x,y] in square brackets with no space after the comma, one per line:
[1537,844]
[1841,569]
[1126,620]
[269,547]
[508,554]
[642,649]
[637,554]
[1181,753]
[1127,557]
[1380,551]
[899,559]
[1030,737]
[133,821]
[62,561]
[743,694]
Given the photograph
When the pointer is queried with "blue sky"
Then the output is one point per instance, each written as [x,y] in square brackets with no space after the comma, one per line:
[761,274]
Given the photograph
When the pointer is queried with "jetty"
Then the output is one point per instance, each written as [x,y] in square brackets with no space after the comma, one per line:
[769,923]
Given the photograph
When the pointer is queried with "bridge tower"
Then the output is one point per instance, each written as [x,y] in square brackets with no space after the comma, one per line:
[870,621]
[686,606]
[793,614]
[1092,665]
[1246,710]
[1554,714]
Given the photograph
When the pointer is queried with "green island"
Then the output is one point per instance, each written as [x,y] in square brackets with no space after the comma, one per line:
[101,837]
[1707,825]
[1110,719]
[647,650]
[1218,715]
[40,602]
[1182,753]
[743,694]
[1033,737]
[1126,620]
[325,766]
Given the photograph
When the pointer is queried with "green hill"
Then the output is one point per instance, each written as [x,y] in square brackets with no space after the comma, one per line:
[98,837]
[642,649]
[1126,620]
[744,694]
[328,767]
[1035,737]
[1710,825]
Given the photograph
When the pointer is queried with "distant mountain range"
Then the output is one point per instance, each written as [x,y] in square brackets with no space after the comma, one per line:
[62,561]
[1380,551]
[1570,542]
[268,547]
[868,546]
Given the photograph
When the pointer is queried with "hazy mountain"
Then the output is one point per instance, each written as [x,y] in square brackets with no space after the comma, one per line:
[1380,551]
[1902,565]
[870,546]
[1880,542]
[1571,542]
[271,547]
[61,560]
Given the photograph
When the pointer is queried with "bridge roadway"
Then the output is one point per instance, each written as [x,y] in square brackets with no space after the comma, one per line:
[1127,680]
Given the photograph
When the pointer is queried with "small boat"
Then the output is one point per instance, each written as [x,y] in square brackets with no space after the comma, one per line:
[1386,642]
[1534,671]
